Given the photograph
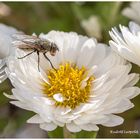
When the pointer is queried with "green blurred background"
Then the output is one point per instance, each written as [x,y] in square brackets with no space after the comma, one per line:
[37,17]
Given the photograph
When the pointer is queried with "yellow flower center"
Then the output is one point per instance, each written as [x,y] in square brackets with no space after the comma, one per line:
[69,82]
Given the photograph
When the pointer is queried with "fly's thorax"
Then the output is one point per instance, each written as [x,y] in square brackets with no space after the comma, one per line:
[50,46]
[46,45]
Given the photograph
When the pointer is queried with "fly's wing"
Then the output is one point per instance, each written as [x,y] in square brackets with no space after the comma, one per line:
[22,45]
[25,41]
[21,36]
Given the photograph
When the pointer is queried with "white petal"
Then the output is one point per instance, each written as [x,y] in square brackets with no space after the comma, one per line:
[71,47]
[9,96]
[133,79]
[90,118]
[84,107]
[130,92]
[35,119]
[19,104]
[58,123]
[134,27]
[60,110]
[117,105]
[113,121]
[124,105]
[99,54]
[72,127]
[48,126]
[44,100]
[89,127]
[87,48]
[3,77]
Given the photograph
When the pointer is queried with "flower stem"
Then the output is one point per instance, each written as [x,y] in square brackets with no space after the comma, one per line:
[81,134]
[64,133]
[114,12]
[57,133]
[68,134]
[86,134]
[77,12]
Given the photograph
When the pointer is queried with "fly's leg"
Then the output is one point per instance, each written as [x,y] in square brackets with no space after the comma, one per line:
[26,55]
[38,60]
[49,60]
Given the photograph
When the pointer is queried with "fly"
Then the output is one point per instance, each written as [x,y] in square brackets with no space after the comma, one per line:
[35,44]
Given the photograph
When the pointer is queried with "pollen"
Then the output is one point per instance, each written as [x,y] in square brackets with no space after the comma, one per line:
[71,83]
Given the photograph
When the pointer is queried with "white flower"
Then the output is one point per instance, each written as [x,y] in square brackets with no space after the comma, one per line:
[133,12]
[92,27]
[91,83]
[5,47]
[127,42]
